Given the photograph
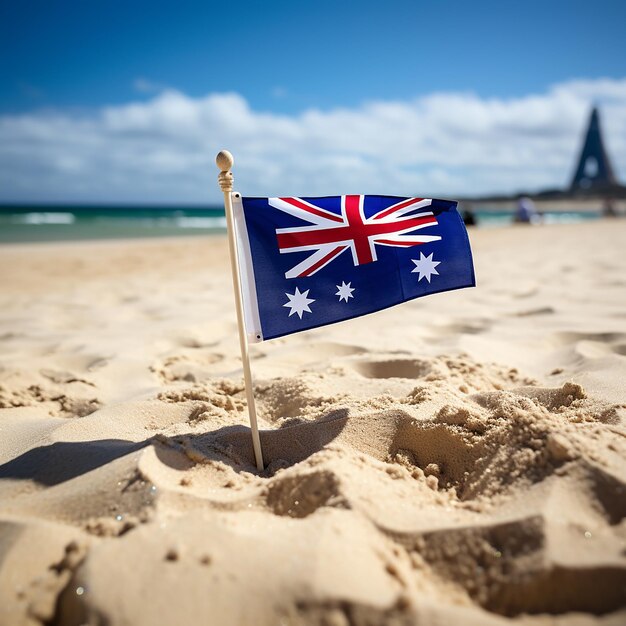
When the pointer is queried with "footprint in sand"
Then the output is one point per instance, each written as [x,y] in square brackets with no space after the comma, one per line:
[593,345]
[392,368]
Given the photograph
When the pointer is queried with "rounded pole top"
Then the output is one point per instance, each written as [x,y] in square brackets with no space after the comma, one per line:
[224,160]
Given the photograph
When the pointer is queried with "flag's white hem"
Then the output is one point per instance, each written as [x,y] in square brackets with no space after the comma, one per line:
[251,316]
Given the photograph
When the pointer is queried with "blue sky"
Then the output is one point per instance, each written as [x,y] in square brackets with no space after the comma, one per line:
[292,55]
[80,60]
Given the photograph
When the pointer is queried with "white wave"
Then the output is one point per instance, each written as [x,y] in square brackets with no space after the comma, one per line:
[200,222]
[44,218]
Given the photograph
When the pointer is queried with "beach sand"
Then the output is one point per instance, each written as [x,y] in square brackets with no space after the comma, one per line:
[459,459]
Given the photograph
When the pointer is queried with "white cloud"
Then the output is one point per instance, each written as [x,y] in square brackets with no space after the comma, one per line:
[442,144]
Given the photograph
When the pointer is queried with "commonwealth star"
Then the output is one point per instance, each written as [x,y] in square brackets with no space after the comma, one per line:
[425,266]
[298,303]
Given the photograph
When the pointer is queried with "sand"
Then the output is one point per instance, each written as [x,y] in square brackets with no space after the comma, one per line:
[456,460]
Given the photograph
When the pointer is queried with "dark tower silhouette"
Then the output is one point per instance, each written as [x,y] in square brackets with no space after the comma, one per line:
[594,169]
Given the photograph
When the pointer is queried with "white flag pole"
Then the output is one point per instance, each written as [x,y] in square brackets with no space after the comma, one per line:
[225,162]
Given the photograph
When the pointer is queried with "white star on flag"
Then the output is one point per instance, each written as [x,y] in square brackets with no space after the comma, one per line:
[425,266]
[345,291]
[298,302]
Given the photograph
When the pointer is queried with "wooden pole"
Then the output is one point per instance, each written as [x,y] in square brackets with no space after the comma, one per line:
[225,178]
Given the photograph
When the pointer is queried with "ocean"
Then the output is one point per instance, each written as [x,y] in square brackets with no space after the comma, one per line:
[67,223]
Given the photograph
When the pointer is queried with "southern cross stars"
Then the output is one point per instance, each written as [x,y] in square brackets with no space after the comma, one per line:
[425,266]
[345,291]
[298,302]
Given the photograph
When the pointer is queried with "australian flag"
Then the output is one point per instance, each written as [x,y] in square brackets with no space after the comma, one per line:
[308,262]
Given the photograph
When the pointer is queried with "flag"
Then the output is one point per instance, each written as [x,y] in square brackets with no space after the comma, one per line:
[308,262]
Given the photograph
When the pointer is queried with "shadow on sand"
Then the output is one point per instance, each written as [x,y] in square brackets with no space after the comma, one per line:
[61,461]
[55,463]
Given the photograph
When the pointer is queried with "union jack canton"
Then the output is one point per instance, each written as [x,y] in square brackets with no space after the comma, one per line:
[308,262]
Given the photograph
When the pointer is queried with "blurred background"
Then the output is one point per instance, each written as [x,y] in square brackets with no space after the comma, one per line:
[111,113]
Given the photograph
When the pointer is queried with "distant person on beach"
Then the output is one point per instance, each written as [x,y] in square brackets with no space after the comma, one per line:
[526,213]
[467,214]
[608,208]
[469,219]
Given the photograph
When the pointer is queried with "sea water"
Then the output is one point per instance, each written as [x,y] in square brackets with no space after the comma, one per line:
[62,223]
[36,223]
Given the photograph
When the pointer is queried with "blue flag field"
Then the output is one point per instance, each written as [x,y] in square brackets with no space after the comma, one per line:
[308,262]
